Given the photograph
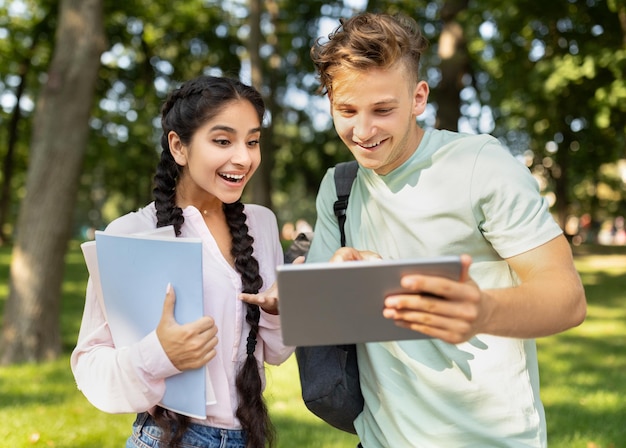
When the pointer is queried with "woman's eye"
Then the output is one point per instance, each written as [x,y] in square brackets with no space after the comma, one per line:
[253,142]
[222,141]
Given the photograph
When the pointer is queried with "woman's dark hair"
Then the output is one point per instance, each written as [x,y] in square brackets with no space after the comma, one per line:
[187,109]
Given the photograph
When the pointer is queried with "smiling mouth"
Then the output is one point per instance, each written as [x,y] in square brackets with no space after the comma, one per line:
[234,178]
[371,145]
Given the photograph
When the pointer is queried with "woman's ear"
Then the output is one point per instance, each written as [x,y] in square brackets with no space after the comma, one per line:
[177,148]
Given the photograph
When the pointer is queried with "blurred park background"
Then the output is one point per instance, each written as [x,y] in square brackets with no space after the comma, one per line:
[82,82]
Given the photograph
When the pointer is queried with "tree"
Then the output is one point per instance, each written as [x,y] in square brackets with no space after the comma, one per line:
[453,65]
[553,76]
[260,183]
[60,132]
[23,52]
[153,46]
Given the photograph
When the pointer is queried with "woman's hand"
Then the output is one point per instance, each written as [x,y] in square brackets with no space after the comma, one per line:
[268,299]
[188,346]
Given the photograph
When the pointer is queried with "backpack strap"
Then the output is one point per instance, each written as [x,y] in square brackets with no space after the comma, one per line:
[345,173]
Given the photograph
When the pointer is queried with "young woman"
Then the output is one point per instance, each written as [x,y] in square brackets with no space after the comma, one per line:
[211,131]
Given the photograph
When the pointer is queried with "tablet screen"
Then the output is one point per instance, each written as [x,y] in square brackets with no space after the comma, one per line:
[342,303]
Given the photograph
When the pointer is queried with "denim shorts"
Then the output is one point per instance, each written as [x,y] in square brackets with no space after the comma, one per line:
[147,434]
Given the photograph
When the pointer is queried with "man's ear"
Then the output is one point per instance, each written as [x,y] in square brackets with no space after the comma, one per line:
[420,98]
[177,148]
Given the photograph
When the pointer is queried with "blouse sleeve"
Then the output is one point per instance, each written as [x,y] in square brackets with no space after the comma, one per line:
[117,379]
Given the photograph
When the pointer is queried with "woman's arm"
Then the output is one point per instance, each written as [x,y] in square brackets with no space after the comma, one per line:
[117,380]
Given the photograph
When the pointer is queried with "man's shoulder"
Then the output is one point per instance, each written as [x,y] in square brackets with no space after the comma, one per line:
[443,136]
[459,146]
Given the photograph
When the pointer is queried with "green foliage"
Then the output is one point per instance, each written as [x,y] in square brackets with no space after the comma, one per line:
[554,77]
[152,47]
[25,52]
[551,75]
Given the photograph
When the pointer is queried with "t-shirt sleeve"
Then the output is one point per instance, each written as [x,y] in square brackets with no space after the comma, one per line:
[511,213]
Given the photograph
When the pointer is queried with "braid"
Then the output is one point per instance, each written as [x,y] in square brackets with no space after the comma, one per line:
[172,424]
[252,411]
[165,192]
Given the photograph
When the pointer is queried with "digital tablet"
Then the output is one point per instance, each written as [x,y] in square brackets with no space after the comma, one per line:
[342,303]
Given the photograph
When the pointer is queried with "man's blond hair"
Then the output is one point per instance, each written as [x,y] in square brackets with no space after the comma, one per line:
[369,41]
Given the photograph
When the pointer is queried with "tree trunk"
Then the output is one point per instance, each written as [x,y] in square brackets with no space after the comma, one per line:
[454,64]
[31,330]
[8,164]
[259,187]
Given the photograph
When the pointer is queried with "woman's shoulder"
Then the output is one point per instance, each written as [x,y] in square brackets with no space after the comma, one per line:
[259,210]
[138,221]
[260,216]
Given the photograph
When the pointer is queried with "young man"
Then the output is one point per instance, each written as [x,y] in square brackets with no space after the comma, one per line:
[430,193]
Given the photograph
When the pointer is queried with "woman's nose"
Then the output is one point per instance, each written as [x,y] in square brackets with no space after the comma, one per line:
[241,155]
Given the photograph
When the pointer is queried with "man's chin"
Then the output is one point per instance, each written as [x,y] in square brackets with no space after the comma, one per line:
[368,163]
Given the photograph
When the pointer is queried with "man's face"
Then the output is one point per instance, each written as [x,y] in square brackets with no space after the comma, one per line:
[374,114]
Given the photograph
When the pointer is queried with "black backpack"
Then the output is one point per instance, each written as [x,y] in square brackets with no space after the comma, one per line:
[329,374]
[345,173]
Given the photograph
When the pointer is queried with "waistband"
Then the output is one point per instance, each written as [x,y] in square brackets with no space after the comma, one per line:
[196,433]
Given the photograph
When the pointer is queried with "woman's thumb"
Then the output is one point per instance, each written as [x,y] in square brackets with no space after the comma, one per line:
[168,304]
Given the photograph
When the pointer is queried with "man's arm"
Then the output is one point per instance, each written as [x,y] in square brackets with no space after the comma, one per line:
[549,299]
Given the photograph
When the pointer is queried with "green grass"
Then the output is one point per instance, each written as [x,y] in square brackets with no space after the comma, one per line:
[583,376]
[583,370]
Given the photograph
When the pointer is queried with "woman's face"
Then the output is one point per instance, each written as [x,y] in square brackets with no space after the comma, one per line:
[222,155]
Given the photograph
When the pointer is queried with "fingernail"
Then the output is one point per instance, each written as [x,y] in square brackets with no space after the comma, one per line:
[168,289]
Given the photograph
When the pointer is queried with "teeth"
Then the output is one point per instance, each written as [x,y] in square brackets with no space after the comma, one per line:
[232,176]
[370,146]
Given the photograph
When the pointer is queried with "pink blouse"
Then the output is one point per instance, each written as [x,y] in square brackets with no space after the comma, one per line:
[132,379]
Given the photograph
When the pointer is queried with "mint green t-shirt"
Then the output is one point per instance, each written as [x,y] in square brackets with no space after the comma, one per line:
[456,194]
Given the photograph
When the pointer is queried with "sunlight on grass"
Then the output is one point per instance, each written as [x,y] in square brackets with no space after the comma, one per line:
[295,425]
[40,406]
[583,370]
